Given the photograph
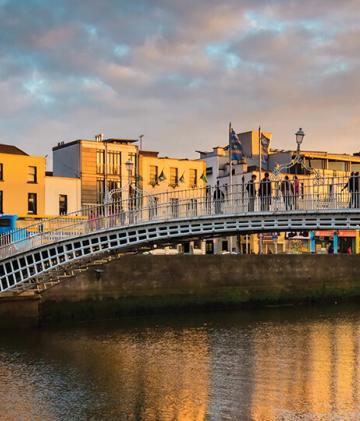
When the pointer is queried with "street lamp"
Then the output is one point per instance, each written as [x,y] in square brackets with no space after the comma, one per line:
[129,167]
[299,138]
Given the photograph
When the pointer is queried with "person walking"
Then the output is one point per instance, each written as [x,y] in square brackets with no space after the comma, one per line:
[251,189]
[351,187]
[286,190]
[357,189]
[218,198]
[296,191]
[265,192]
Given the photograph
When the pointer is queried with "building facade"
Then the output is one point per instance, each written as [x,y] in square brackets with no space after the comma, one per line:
[22,179]
[99,164]
[62,195]
[162,174]
[256,161]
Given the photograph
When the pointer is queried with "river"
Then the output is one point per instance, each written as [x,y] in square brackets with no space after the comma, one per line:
[261,365]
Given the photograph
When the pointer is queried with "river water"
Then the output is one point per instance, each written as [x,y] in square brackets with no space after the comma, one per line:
[274,364]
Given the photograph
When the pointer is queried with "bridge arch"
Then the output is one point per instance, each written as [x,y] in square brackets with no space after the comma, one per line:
[40,265]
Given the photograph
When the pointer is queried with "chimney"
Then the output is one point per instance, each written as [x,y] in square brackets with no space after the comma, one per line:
[99,137]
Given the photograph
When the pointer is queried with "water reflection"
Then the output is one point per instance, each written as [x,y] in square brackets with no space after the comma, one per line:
[259,366]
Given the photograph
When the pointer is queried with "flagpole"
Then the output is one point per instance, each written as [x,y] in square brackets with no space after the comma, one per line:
[230,180]
[260,153]
[230,161]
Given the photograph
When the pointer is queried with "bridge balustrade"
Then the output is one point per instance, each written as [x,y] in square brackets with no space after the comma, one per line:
[313,194]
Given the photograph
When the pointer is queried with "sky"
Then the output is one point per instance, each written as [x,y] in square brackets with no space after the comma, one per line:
[179,71]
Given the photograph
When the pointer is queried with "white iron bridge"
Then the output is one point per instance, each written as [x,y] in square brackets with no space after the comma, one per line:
[40,255]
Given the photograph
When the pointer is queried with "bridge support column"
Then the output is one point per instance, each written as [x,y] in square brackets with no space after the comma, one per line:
[336,242]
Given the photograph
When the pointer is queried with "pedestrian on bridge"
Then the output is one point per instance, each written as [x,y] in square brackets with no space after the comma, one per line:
[287,192]
[251,189]
[353,187]
[265,192]
[296,191]
[218,198]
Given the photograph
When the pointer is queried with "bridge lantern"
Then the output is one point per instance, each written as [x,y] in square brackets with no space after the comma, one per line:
[299,137]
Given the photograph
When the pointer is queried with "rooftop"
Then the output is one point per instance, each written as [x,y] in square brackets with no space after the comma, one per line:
[114,140]
[12,150]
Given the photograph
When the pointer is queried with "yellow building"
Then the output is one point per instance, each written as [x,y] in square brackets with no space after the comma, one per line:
[163,174]
[99,163]
[22,186]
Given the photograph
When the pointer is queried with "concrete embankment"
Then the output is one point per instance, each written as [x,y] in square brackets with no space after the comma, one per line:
[140,284]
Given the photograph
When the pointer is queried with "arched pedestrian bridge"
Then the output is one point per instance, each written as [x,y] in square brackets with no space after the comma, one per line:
[40,255]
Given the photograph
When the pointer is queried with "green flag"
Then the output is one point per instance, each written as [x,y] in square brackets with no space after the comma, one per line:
[162,176]
[204,178]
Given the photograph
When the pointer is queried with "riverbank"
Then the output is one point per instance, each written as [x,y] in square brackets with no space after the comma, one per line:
[150,284]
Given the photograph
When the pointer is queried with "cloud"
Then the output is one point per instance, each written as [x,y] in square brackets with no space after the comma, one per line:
[179,71]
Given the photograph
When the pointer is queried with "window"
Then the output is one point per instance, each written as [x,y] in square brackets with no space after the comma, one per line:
[100,162]
[113,185]
[1,202]
[100,190]
[114,163]
[32,175]
[336,165]
[318,164]
[209,170]
[355,166]
[193,178]
[174,179]
[32,203]
[1,172]
[153,170]
[63,204]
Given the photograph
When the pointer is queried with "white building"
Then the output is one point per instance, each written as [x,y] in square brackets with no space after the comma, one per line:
[62,195]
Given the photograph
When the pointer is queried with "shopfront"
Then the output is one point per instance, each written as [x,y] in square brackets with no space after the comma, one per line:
[348,241]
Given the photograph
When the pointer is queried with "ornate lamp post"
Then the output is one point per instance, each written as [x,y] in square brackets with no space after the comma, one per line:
[299,138]
[298,158]
[129,167]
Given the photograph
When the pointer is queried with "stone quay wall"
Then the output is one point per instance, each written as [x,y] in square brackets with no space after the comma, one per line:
[141,284]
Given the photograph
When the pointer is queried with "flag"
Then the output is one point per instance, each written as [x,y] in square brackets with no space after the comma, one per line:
[182,179]
[204,178]
[236,147]
[265,142]
[162,176]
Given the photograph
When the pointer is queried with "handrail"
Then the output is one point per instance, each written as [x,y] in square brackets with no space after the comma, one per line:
[327,193]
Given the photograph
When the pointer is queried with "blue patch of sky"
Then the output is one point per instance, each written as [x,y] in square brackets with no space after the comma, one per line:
[121,50]
[260,22]
[336,67]
[91,30]
[174,77]
[196,83]
[222,52]
[39,89]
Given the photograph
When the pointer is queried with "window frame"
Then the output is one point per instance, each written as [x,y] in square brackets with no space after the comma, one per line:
[31,194]
[34,175]
[66,204]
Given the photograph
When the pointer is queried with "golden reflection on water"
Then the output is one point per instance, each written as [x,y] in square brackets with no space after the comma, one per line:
[160,376]
[313,373]
[261,370]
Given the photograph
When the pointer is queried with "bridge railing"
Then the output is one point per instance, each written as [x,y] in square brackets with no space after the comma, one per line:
[330,193]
